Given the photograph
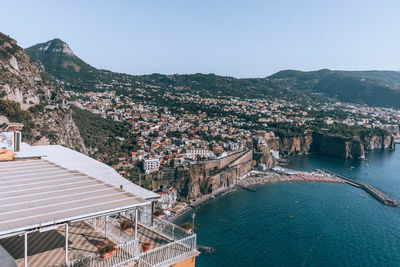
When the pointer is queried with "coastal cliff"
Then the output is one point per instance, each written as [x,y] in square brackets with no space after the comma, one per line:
[214,176]
[291,145]
[334,146]
[379,142]
[206,177]
[209,177]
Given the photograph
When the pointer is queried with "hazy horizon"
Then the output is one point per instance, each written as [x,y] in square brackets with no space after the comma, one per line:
[229,38]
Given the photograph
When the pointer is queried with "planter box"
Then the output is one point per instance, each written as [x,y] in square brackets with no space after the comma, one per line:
[108,254]
[146,246]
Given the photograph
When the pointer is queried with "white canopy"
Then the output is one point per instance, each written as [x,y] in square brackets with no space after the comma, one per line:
[36,193]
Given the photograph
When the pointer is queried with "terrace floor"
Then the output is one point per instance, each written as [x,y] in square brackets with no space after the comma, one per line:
[48,248]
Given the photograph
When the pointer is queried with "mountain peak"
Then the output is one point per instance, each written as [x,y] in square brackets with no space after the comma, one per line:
[56,46]
[58,60]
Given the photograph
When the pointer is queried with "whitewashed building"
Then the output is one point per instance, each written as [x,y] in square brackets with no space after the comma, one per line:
[151,165]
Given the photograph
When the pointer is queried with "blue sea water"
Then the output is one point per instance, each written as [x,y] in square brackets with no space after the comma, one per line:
[307,224]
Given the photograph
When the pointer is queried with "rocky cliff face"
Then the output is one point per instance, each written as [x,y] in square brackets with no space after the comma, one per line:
[23,82]
[20,81]
[210,176]
[263,156]
[334,146]
[297,145]
[379,142]
[291,145]
[57,127]
[337,146]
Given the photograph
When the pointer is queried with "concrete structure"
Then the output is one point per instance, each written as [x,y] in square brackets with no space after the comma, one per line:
[150,165]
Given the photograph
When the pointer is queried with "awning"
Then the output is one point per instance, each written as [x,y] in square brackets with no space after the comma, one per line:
[37,193]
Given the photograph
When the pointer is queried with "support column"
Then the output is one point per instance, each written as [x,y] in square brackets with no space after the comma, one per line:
[153,209]
[66,243]
[131,217]
[26,249]
[105,226]
[136,219]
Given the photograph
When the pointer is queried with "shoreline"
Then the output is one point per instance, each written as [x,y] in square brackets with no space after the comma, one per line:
[254,177]
[202,201]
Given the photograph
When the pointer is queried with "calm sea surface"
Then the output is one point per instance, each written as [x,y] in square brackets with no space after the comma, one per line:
[307,224]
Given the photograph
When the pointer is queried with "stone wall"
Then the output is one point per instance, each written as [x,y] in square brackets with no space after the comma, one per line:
[208,177]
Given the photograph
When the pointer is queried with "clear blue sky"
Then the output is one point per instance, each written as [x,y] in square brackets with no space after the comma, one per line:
[238,38]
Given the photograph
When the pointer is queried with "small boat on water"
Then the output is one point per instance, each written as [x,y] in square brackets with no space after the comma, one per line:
[205,249]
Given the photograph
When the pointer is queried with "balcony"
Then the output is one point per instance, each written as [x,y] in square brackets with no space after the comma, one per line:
[169,243]
[102,242]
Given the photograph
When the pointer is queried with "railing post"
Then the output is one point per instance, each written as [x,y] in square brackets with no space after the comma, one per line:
[136,248]
[66,244]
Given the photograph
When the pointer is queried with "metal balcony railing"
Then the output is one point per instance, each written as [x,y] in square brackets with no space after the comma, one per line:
[168,254]
[181,243]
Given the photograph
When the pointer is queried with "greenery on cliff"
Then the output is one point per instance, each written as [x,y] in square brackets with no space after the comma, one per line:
[99,133]
[8,50]
[103,136]
[12,110]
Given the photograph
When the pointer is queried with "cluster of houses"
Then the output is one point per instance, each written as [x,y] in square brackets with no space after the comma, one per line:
[168,137]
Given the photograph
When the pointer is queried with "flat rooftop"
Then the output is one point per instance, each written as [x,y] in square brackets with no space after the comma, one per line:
[74,160]
[37,193]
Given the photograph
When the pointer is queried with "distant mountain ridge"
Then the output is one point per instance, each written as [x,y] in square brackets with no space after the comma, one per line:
[391,78]
[376,88]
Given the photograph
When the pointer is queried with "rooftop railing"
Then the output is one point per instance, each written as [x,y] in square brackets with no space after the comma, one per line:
[169,253]
[168,229]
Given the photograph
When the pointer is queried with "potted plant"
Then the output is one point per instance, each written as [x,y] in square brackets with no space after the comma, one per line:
[146,246]
[128,226]
[158,213]
[187,226]
[107,252]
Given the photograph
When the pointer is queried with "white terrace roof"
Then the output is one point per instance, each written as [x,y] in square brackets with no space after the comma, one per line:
[74,160]
[36,193]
